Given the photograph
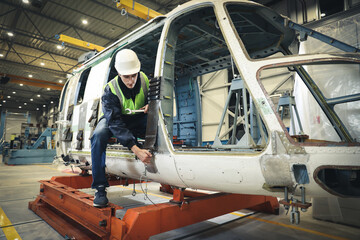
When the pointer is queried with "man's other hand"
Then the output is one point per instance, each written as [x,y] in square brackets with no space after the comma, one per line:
[143,154]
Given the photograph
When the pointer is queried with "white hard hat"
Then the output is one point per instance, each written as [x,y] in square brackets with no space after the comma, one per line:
[127,62]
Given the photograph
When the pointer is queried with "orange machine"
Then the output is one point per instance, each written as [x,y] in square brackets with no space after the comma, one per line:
[71,213]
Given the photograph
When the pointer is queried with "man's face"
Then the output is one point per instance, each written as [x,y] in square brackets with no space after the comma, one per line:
[129,80]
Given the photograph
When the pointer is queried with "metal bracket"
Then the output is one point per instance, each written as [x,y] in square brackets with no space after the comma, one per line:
[295,205]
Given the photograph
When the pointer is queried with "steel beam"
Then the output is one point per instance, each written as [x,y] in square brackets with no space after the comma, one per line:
[34,82]
[51,71]
[80,43]
[40,49]
[137,9]
[56,20]
[88,15]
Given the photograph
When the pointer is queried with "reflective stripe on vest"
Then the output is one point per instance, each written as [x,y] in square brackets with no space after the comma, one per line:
[128,102]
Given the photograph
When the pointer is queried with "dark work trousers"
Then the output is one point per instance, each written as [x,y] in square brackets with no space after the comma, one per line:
[99,142]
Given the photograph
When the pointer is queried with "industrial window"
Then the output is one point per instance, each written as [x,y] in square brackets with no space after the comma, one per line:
[63,95]
[353,3]
[330,7]
[80,90]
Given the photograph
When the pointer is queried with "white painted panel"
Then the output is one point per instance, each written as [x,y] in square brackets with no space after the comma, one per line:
[94,89]
[96,80]
[213,102]
[87,132]
[75,125]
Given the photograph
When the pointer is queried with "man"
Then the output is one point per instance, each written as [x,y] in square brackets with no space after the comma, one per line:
[127,90]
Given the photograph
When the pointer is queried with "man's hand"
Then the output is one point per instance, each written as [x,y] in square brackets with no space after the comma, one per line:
[143,154]
[145,108]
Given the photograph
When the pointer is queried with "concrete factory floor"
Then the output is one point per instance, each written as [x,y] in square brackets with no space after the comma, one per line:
[19,185]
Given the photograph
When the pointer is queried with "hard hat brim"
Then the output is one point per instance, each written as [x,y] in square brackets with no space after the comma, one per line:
[130,71]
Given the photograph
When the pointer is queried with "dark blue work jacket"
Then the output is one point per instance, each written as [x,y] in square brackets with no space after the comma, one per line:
[126,128]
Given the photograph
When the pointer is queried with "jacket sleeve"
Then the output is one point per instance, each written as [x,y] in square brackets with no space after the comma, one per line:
[112,112]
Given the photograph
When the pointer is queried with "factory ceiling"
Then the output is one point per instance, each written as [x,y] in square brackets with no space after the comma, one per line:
[34,64]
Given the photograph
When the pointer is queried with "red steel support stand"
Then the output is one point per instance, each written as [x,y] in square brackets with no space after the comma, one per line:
[71,213]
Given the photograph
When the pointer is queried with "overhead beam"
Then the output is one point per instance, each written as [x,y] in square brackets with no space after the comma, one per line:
[137,9]
[39,38]
[80,43]
[52,71]
[144,18]
[34,82]
[5,13]
[27,92]
[87,15]
[55,20]
[113,9]
[16,100]
[13,25]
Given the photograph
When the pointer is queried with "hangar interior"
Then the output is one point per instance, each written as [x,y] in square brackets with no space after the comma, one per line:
[35,65]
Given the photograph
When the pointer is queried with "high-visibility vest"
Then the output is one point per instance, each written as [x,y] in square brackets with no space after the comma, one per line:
[128,102]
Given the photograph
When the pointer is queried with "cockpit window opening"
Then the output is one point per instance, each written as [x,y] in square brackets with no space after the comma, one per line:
[198,65]
[80,90]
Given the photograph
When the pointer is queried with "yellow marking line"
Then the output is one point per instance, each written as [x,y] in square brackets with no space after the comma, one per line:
[44,166]
[10,232]
[263,220]
[293,227]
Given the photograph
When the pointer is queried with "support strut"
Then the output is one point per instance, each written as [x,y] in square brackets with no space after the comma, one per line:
[70,211]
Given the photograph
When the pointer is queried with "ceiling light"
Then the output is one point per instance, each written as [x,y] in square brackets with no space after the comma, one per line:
[37,109]
[26,1]
[1,55]
[31,99]
[14,92]
[10,34]
[59,47]
[48,89]
[42,64]
[30,76]
[323,14]
[39,95]
[84,21]
[52,102]
[44,105]
[4,101]
[21,84]
[0,105]
[60,81]
[19,106]
[25,103]
[8,97]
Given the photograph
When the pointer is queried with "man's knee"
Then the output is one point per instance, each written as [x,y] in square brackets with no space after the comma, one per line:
[99,135]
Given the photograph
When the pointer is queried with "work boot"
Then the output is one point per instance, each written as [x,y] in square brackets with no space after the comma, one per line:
[100,199]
